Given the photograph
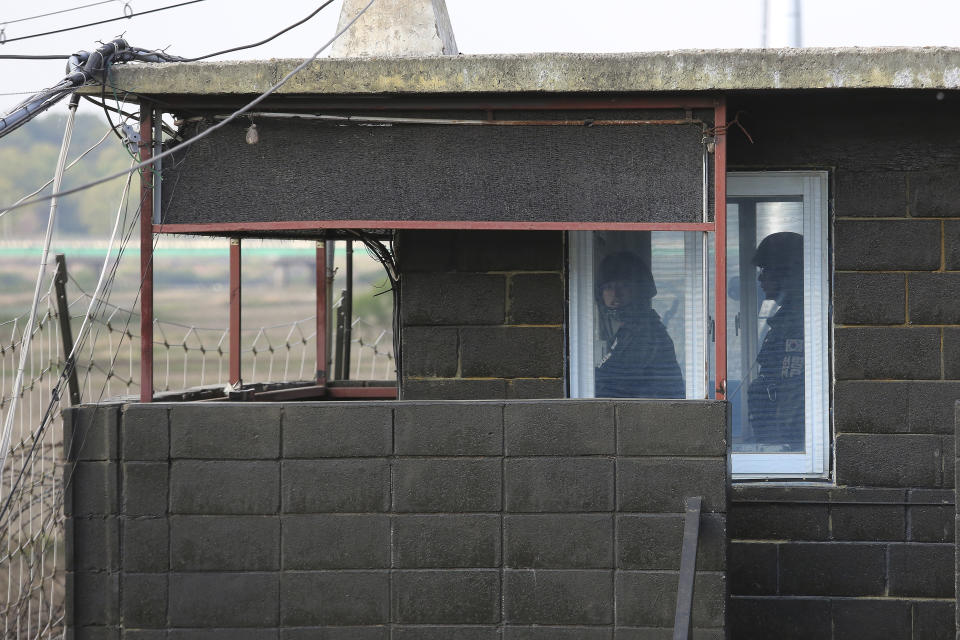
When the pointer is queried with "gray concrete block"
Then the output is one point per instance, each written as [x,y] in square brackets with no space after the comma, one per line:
[896,460]
[558,541]
[864,619]
[90,432]
[240,431]
[871,407]
[536,298]
[90,488]
[93,598]
[449,429]
[934,193]
[446,597]
[887,353]
[870,298]
[336,633]
[511,352]
[781,618]
[347,485]
[779,521]
[664,484]
[91,544]
[454,389]
[426,250]
[447,484]
[558,597]
[951,244]
[660,633]
[832,569]
[931,523]
[930,406]
[558,484]
[224,487]
[886,245]
[922,570]
[871,194]
[671,428]
[446,541]
[510,251]
[536,388]
[636,607]
[566,427]
[224,634]
[951,353]
[224,543]
[144,600]
[144,634]
[335,542]
[335,598]
[753,568]
[653,542]
[336,429]
[224,599]
[145,432]
[448,632]
[430,352]
[453,299]
[934,298]
[93,633]
[868,522]
[146,546]
[515,632]
[934,620]
[144,488]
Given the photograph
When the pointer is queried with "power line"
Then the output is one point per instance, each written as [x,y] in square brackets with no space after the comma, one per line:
[250,105]
[93,24]
[54,13]
[12,56]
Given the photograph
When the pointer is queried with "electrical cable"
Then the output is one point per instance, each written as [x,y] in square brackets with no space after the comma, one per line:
[54,13]
[93,24]
[12,56]
[250,105]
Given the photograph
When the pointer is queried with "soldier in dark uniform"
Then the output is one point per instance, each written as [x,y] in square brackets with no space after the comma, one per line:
[640,360]
[776,394]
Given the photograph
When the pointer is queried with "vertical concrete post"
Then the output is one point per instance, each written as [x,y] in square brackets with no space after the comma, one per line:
[395,28]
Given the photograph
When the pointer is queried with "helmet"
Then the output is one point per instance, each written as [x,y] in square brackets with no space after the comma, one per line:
[627,266]
[783,249]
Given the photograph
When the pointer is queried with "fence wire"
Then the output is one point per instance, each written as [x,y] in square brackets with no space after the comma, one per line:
[32,567]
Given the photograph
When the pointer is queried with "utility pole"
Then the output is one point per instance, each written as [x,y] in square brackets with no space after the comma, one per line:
[782,23]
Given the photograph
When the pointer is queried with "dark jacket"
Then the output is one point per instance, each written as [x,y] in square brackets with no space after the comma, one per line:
[641,362]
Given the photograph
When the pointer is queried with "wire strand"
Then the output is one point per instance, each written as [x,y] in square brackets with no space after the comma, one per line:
[54,13]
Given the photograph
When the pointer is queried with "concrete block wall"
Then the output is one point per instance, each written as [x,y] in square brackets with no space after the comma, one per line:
[427,520]
[482,314]
[870,554]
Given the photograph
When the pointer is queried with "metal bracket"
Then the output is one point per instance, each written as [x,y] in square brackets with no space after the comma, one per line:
[132,139]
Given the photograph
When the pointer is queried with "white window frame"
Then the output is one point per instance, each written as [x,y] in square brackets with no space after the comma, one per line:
[812,187]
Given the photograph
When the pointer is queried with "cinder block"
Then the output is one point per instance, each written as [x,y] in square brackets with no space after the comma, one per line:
[935,298]
[336,542]
[335,598]
[224,487]
[144,634]
[536,388]
[146,545]
[93,633]
[144,600]
[446,541]
[336,633]
[536,298]
[565,427]
[781,618]
[92,544]
[870,298]
[753,568]
[649,599]
[557,597]
[145,432]
[449,429]
[145,488]
[430,352]
[671,428]
[447,484]
[863,619]
[888,460]
[931,523]
[951,244]
[347,485]
[511,352]
[931,406]
[664,484]
[241,431]
[453,299]
[224,634]
[223,599]
[832,569]
[90,489]
[934,193]
[934,620]
[559,484]
[459,632]
[454,389]
[336,429]
[90,432]
[922,570]
[92,599]
[951,353]
[868,522]
[558,541]
[446,597]
[224,543]
[510,251]
[654,542]
[779,521]
[886,245]
[870,194]
[871,407]
[887,353]
[426,250]
[557,633]
[660,633]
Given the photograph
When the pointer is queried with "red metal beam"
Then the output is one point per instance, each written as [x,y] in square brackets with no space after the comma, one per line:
[720,246]
[235,290]
[146,258]
[321,273]
[234,227]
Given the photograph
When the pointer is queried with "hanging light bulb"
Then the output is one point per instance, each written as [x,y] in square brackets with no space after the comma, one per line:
[252,136]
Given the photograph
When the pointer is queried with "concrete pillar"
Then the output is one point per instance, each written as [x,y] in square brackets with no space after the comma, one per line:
[395,28]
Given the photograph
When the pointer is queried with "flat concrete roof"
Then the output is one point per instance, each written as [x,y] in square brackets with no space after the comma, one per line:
[692,70]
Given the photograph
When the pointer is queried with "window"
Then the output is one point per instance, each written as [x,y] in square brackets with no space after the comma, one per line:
[640,319]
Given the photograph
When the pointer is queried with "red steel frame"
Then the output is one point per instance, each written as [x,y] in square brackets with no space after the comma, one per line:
[718,227]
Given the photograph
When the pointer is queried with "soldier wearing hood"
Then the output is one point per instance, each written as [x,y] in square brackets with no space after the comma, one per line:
[640,360]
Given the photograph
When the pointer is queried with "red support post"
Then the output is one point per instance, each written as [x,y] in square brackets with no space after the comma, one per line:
[235,289]
[321,269]
[720,245]
[146,257]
